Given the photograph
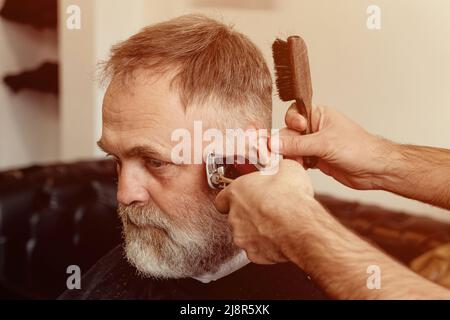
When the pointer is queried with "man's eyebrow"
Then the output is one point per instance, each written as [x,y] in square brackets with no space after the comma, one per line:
[102,146]
[142,151]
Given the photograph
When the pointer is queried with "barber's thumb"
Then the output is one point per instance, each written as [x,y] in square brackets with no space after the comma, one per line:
[300,145]
[222,202]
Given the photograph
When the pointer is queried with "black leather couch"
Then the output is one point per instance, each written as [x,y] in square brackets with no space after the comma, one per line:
[59,215]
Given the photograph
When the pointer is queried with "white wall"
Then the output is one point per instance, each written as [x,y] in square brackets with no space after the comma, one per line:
[77,81]
[103,23]
[28,120]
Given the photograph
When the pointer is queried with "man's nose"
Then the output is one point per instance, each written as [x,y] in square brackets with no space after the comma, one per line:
[131,187]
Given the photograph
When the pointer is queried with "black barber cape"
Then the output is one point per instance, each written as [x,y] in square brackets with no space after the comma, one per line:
[112,277]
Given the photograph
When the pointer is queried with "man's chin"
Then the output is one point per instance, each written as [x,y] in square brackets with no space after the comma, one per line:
[163,259]
[148,264]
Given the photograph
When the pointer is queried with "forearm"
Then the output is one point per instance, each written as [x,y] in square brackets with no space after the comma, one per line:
[338,260]
[420,173]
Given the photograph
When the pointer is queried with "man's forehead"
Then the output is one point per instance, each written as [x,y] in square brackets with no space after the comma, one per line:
[142,94]
[144,103]
[143,112]
[148,100]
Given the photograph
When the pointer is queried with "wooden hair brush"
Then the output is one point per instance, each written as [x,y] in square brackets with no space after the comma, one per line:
[293,79]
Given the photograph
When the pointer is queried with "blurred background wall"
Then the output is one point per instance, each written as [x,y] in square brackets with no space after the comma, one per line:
[394,81]
[29,121]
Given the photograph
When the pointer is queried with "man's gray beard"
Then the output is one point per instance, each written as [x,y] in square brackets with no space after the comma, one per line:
[195,240]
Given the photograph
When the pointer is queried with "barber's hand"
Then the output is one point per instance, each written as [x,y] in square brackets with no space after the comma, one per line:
[267,211]
[345,150]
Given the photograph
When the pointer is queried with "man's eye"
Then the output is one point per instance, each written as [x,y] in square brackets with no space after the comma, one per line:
[155,163]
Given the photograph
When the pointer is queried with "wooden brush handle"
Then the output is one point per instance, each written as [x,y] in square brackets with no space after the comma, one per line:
[302,85]
[308,162]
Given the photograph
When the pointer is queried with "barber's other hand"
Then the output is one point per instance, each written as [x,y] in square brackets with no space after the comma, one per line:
[345,150]
[266,211]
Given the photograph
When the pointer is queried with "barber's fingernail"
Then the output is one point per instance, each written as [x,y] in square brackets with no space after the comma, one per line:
[275,144]
[299,123]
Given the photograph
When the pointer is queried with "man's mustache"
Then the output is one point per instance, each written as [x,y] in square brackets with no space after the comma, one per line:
[144,216]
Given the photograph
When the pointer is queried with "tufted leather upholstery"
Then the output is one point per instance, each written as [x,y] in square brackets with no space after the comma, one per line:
[65,214]
[52,217]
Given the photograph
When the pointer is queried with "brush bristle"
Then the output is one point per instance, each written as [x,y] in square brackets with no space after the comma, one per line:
[283,74]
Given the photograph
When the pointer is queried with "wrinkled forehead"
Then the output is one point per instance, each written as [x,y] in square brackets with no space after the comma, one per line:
[148,95]
[141,109]
[143,97]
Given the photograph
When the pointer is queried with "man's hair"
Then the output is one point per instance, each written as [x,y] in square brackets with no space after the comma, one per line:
[215,66]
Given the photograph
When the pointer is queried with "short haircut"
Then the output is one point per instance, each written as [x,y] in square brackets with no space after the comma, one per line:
[215,66]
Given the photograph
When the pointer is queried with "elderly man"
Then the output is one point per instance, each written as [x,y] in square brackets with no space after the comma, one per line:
[176,244]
